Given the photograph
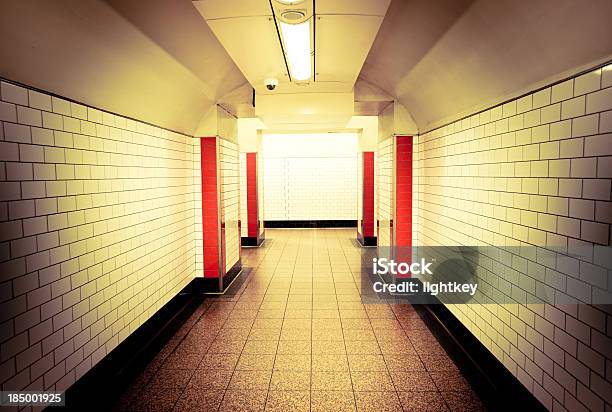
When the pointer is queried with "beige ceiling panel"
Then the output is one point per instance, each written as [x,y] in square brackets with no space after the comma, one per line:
[287,87]
[364,7]
[252,42]
[222,9]
[285,110]
[448,58]
[106,55]
[342,44]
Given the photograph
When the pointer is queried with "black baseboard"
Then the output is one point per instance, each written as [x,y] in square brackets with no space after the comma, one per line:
[496,386]
[212,285]
[309,223]
[252,241]
[367,241]
[102,385]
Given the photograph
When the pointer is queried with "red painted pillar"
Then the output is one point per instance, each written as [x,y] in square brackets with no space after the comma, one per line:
[211,209]
[255,234]
[216,276]
[252,224]
[365,230]
[402,225]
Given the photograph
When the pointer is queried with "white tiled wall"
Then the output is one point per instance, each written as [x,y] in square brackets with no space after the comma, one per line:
[384,193]
[310,177]
[534,172]
[261,207]
[230,199]
[275,200]
[197,208]
[96,232]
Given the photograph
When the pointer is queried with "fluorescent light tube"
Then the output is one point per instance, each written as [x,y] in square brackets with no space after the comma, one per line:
[296,39]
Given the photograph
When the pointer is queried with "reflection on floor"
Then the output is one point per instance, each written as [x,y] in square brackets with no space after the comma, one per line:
[296,337]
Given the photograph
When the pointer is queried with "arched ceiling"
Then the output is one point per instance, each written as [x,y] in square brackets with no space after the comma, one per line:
[446,58]
[154,60]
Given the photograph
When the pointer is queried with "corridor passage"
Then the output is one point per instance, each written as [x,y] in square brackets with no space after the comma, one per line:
[295,336]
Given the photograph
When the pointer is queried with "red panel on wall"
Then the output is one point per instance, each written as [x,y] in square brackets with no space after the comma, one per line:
[403,198]
[210,206]
[252,216]
[368,194]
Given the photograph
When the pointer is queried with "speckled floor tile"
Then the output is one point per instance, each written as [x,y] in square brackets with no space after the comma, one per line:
[359,334]
[356,324]
[251,362]
[465,401]
[285,401]
[294,347]
[290,380]
[182,361]
[397,347]
[210,379]
[362,347]
[156,400]
[259,380]
[367,363]
[264,334]
[237,334]
[295,334]
[338,401]
[372,381]
[226,346]
[260,347]
[400,362]
[331,381]
[438,363]
[412,381]
[422,401]
[219,361]
[285,362]
[243,401]
[328,347]
[450,381]
[196,399]
[377,402]
[336,362]
[170,378]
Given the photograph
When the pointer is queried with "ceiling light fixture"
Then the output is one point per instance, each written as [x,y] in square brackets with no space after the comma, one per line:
[290,2]
[296,39]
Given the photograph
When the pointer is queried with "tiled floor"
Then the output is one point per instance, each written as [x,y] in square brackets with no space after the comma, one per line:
[296,337]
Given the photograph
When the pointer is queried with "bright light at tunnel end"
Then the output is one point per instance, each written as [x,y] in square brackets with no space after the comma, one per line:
[296,39]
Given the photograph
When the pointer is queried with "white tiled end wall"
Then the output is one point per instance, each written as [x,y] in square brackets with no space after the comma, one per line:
[96,231]
[384,194]
[275,200]
[310,177]
[229,161]
[533,172]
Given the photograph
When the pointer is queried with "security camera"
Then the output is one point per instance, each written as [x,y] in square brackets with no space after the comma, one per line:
[271,83]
